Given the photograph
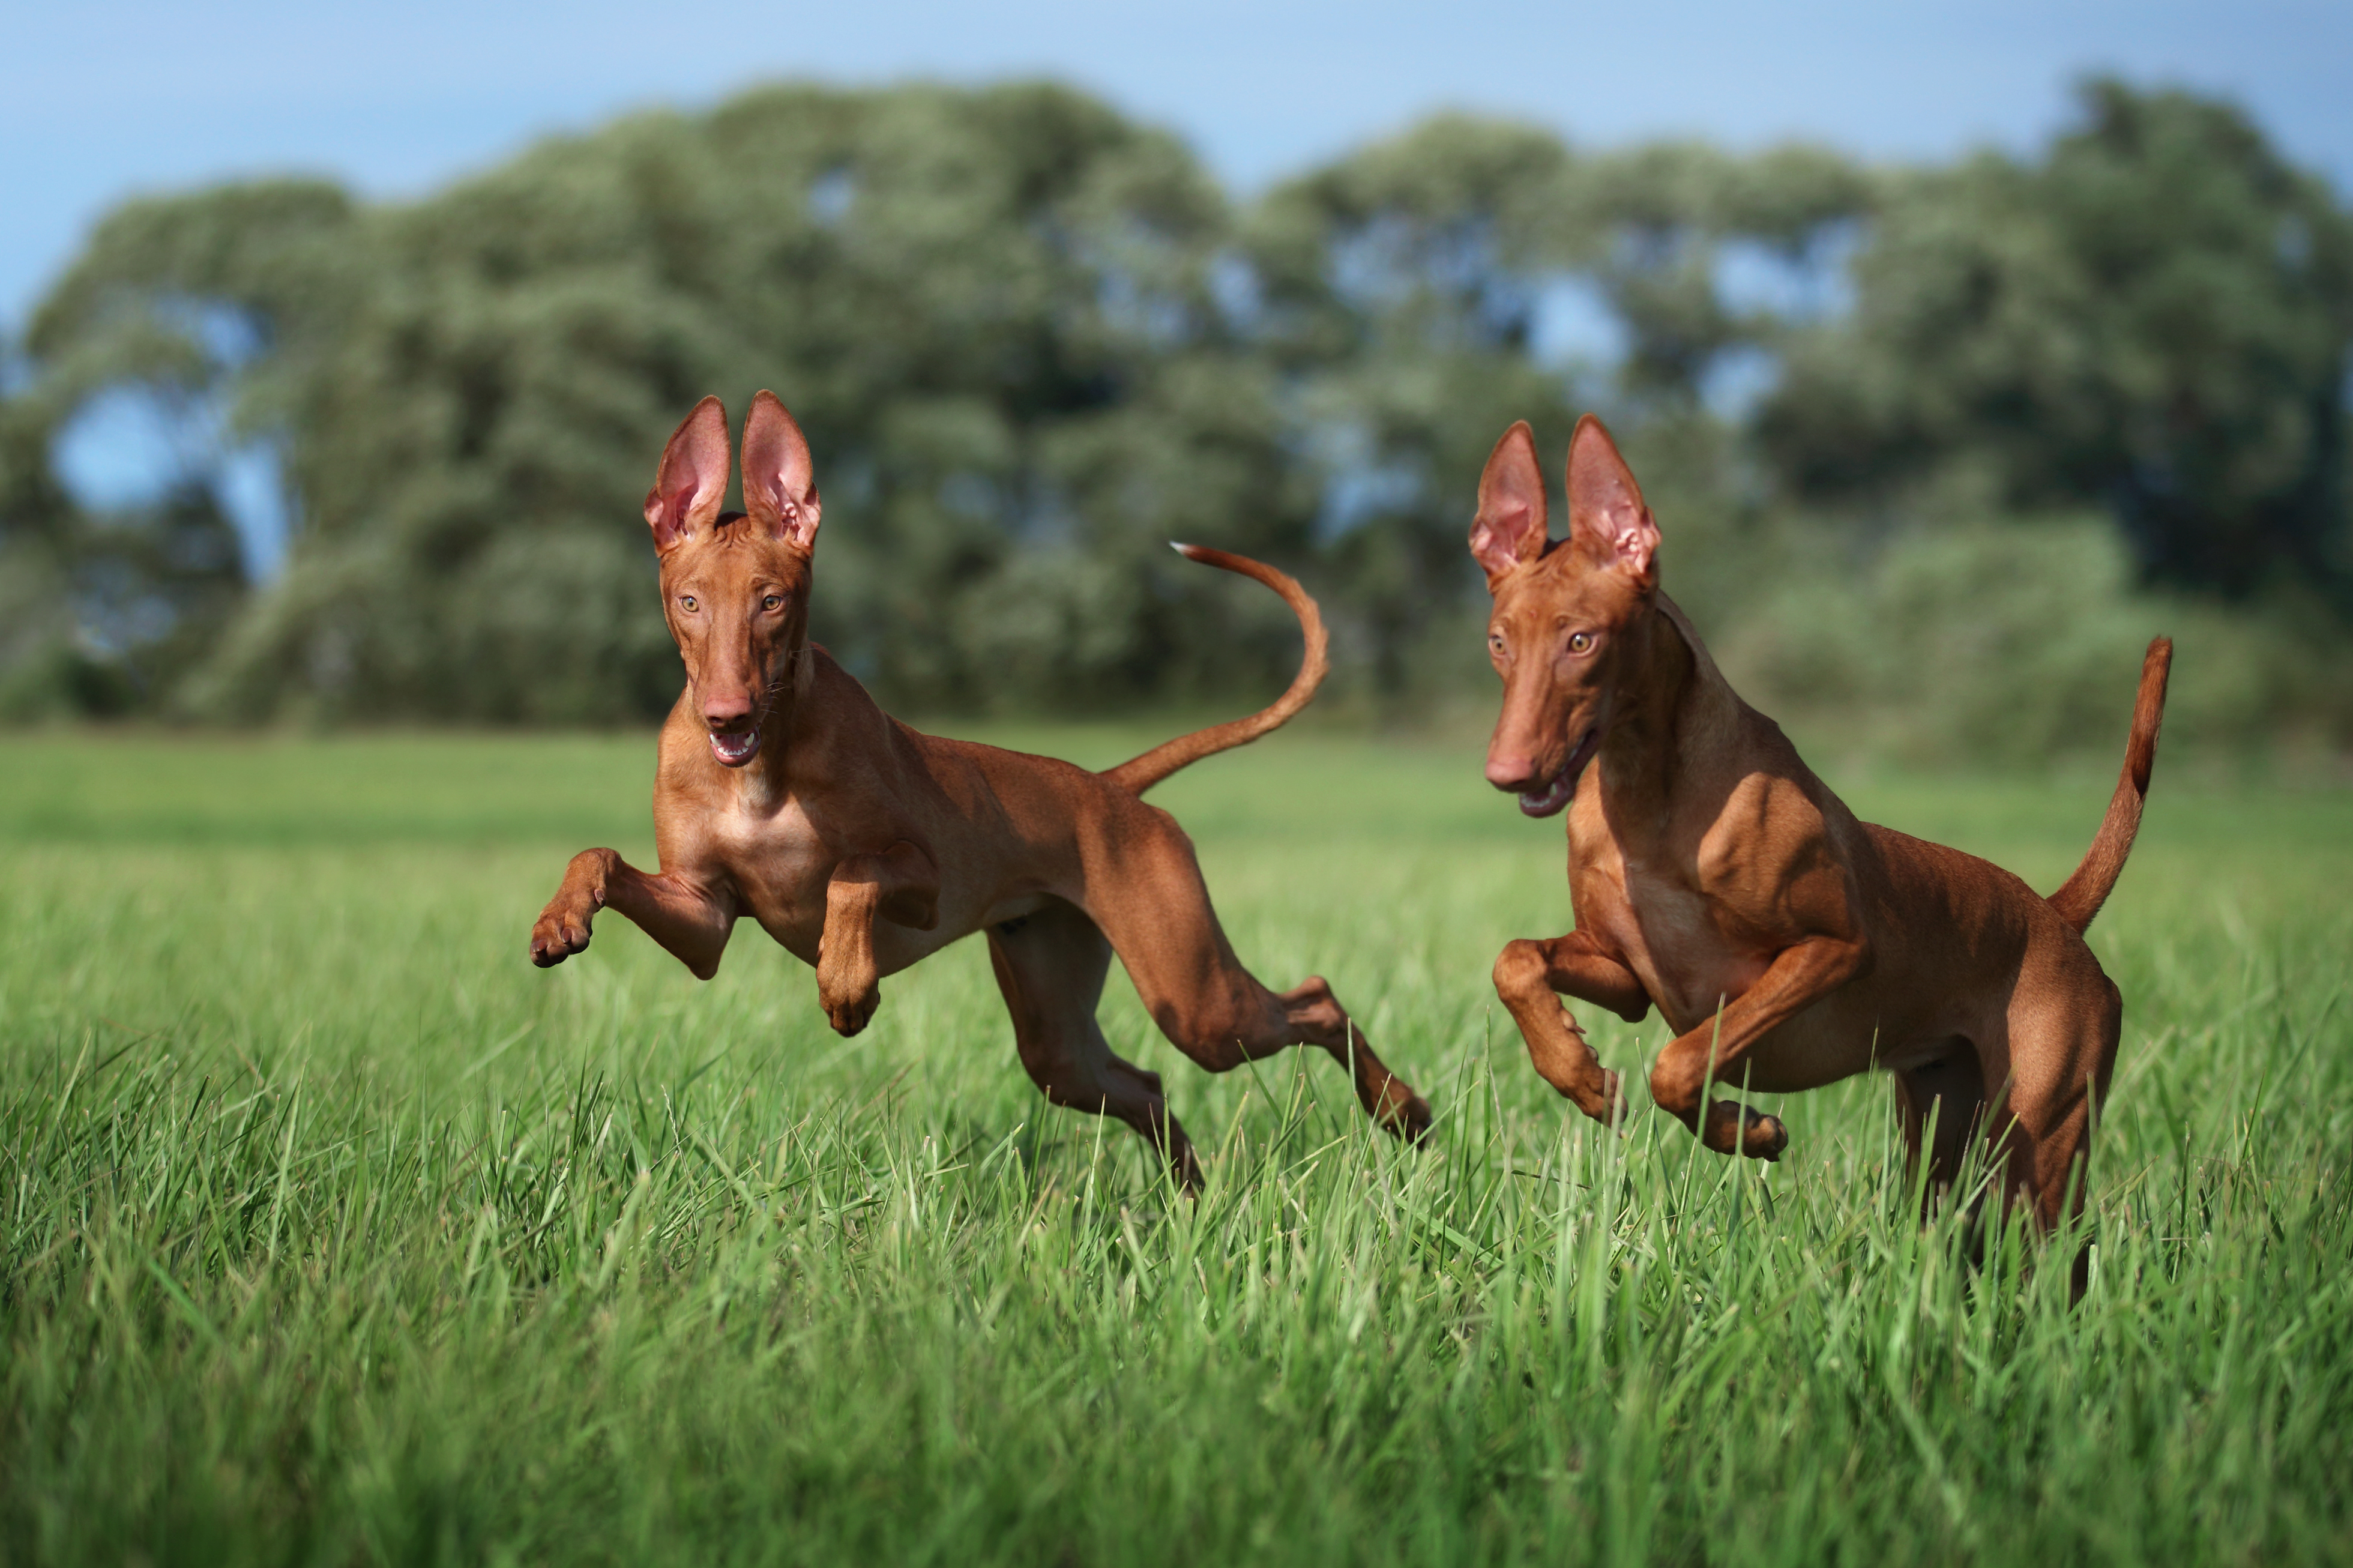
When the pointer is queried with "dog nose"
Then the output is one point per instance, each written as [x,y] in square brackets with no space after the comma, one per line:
[1510,772]
[724,713]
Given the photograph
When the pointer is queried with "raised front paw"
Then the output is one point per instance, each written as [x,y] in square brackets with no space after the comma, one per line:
[1734,1130]
[1405,1114]
[562,930]
[848,986]
[1592,1088]
[852,1011]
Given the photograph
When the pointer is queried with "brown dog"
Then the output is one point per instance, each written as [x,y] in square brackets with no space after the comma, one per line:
[784,794]
[1713,877]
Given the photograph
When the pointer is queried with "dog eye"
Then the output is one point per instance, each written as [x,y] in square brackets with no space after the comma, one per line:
[686,601]
[1580,642]
[1495,640]
[771,603]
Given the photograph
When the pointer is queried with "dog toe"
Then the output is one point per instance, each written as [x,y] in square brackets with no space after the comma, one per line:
[552,945]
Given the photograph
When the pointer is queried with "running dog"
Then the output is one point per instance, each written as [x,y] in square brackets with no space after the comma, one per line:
[1714,877]
[784,794]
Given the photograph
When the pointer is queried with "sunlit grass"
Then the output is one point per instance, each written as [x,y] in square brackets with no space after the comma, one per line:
[336,1232]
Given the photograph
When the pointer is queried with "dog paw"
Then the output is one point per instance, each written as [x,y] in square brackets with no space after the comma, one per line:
[849,1016]
[557,935]
[1405,1114]
[1760,1137]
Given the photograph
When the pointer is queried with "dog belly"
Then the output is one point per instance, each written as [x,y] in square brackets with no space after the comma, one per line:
[899,948]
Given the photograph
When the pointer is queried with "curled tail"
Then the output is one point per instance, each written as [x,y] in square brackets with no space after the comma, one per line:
[2081,896]
[1141,773]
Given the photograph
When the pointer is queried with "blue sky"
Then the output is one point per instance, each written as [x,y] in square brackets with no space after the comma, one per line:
[101,98]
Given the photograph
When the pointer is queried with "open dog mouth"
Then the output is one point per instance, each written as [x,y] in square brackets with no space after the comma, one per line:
[734,750]
[1549,800]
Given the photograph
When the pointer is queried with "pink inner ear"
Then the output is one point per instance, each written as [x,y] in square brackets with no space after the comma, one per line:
[1623,534]
[1636,542]
[1510,525]
[691,480]
[1500,538]
[1605,503]
[671,507]
[768,492]
[779,485]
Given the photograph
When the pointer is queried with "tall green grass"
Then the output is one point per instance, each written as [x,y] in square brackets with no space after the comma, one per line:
[335,1231]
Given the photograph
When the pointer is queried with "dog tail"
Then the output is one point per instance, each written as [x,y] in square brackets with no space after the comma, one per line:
[2081,897]
[1141,773]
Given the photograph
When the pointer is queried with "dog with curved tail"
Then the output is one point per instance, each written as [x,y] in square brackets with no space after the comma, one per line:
[784,794]
[1714,877]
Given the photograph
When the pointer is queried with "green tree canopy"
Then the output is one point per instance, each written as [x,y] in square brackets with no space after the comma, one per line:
[1031,341]
[2156,318]
[992,310]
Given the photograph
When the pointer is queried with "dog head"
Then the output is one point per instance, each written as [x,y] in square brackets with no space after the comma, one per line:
[735,587]
[1563,610]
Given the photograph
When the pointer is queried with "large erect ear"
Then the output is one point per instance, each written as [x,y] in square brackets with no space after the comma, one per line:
[1510,528]
[1607,517]
[692,479]
[779,480]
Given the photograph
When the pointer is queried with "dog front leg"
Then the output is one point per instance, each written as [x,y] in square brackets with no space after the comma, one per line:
[1529,972]
[1802,975]
[690,921]
[901,885]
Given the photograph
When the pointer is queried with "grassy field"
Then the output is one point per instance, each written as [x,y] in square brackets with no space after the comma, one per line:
[337,1232]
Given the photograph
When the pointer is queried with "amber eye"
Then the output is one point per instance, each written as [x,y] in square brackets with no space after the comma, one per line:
[771,603]
[1580,642]
[686,601]
[1495,640]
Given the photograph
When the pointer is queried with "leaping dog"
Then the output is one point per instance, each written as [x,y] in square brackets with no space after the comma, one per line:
[861,845]
[1714,877]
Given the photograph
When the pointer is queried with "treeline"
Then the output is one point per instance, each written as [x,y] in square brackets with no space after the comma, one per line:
[1954,438]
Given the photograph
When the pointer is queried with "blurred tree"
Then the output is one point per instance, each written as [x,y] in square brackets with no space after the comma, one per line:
[1030,343]
[198,312]
[1406,291]
[42,670]
[1398,291]
[1701,254]
[992,309]
[2156,318]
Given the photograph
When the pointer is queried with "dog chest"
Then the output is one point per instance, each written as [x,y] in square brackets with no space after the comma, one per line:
[780,864]
[1685,962]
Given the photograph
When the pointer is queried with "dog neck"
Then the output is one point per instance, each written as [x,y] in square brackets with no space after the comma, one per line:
[1673,711]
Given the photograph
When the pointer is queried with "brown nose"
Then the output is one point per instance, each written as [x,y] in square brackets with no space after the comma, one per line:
[727,713]
[1511,772]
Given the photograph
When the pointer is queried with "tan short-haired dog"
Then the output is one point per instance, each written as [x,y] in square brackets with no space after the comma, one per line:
[1714,877]
[861,845]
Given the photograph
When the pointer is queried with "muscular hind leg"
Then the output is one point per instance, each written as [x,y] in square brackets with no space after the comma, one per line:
[2065,1020]
[1156,909]
[1050,966]
[1312,1015]
[1942,1106]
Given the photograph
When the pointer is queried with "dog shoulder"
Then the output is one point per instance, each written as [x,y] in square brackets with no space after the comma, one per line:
[1772,855]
